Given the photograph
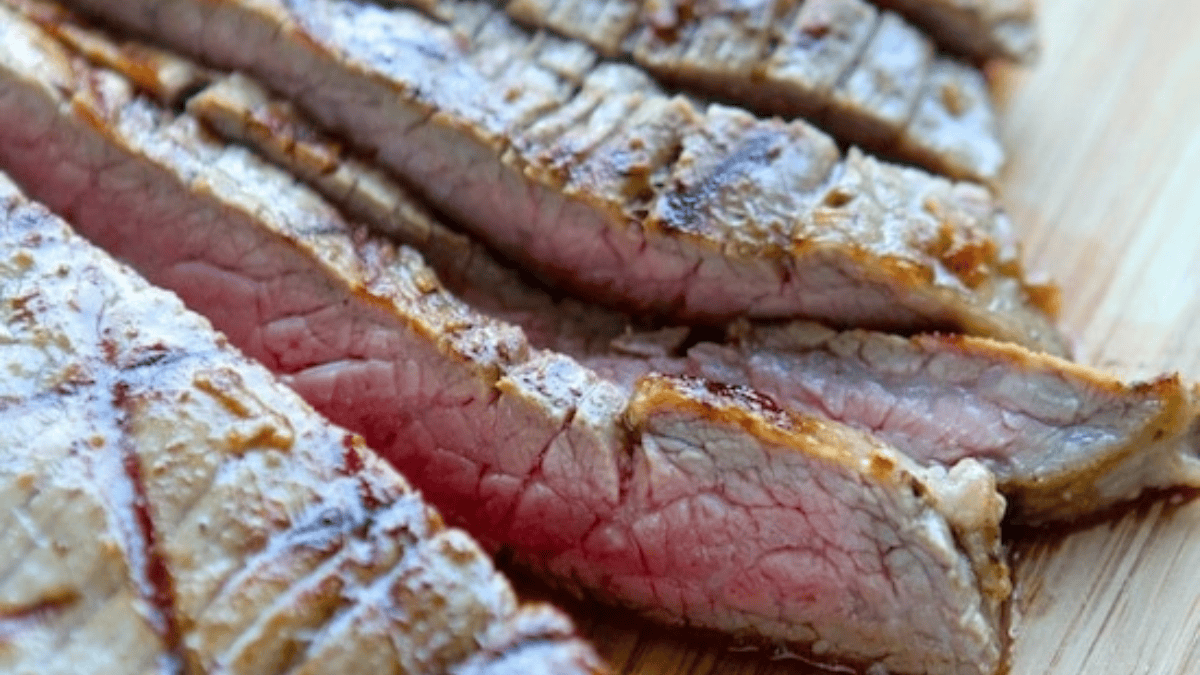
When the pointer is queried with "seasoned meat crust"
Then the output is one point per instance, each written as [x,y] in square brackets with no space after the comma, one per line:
[864,75]
[593,178]
[641,496]
[167,506]
[1065,441]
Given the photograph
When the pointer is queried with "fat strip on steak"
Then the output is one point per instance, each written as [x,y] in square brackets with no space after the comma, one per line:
[642,497]
[865,76]
[1065,441]
[590,176]
[166,506]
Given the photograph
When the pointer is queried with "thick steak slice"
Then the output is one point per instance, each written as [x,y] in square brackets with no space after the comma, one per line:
[618,192]
[643,497]
[978,29]
[1065,441]
[167,506]
[866,76]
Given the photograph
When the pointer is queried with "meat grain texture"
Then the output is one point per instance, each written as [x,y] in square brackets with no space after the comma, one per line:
[642,496]
[166,506]
[591,176]
[1065,441]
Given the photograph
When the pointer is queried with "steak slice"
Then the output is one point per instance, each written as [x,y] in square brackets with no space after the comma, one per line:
[978,29]
[169,507]
[644,498]
[1065,441]
[866,76]
[617,191]
[241,111]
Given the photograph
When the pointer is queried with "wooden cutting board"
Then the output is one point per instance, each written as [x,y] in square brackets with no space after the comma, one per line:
[1104,187]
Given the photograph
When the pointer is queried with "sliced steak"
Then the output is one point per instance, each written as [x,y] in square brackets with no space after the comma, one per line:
[1064,441]
[614,190]
[864,75]
[169,507]
[242,111]
[642,497]
[166,76]
[978,29]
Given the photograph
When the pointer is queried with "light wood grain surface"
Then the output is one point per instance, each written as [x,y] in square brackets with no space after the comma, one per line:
[1104,185]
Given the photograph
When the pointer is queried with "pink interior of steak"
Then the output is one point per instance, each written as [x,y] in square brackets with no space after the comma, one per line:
[695,220]
[527,447]
[244,531]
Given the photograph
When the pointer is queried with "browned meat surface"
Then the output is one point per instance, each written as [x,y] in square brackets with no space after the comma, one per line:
[642,496]
[866,76]
[1064,441]
[166,506]
[978,29]
[160,73]
[615,191]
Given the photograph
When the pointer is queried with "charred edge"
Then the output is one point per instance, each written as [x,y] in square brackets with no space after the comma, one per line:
[1031,536]
[352,460]
[14,620]
[751,397]
[683,206]
[57,20]
[160,593]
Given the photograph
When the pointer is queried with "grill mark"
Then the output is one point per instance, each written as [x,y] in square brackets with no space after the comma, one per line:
[900,143]
[683,206]
[155,582]
[506,235]
[16,619]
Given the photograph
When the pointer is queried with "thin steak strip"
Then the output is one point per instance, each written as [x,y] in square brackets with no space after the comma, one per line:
[643,498]
[167,506]
[1065,441]
[594,179]
[865,76]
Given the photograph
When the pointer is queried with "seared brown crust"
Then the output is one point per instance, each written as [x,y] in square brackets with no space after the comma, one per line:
[160,73]
[861,74]
[1065,441]
[576,476]
[712,215]
[169,507]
